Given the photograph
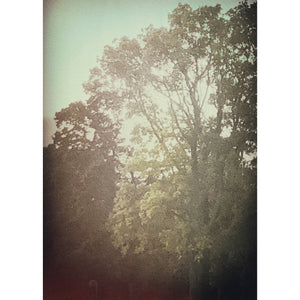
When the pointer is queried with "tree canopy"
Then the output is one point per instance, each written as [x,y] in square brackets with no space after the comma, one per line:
[194,191]
[186,195]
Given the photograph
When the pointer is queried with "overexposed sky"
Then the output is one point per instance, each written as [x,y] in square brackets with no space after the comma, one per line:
[76,31]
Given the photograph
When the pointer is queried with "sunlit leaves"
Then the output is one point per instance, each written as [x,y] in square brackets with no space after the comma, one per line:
[187,188]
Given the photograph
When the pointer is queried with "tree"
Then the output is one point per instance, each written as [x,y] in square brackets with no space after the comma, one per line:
[194,189]
[81,172]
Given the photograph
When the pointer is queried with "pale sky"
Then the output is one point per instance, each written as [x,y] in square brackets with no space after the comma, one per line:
[76,31]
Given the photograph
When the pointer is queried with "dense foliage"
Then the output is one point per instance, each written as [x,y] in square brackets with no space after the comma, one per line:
[80,177]
[184,204]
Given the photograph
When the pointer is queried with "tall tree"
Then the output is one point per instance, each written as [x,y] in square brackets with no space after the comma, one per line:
[81,172]
[195,188]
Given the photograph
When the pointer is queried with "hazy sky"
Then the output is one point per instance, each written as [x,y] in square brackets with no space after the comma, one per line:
[76,31]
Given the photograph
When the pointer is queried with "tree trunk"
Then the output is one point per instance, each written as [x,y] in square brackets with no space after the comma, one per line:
[199,287]
[194,281]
